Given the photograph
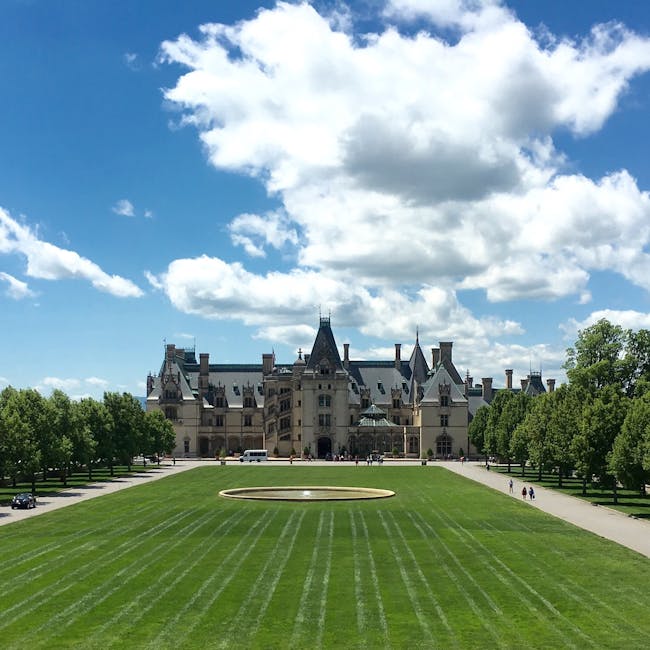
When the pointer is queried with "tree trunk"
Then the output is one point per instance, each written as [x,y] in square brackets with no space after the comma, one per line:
[615,490]
[523,469]
[584,486]
[539,471]
[559,477]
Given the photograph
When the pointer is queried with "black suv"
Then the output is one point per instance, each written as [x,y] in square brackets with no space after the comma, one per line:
[23,500]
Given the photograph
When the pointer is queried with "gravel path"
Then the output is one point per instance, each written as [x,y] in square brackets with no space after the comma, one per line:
[608,523]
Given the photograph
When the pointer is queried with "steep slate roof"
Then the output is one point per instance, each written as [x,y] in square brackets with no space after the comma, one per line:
[379,377]
[418,364]
[432,387]
[535,384]
[324,348]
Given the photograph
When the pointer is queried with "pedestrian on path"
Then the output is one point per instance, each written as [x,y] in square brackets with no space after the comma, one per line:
[510,485]
[523,492]
[531,493]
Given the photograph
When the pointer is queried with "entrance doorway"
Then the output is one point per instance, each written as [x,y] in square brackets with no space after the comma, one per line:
[324,447]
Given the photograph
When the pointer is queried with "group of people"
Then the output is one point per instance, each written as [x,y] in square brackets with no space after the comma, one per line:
[525,492]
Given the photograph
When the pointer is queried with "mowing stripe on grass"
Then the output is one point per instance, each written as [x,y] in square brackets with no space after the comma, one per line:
[95,597]
[487,563]
[481,615]
[418,571]
[411,590]
[301,618]
[518,580]
[576,593]
[239,555]
[50,564]
[45,595]
[265,584]
[358,591]
[136,610]
[325,583]
[374,577]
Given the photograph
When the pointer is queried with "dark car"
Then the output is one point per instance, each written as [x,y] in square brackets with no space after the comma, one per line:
[23,500]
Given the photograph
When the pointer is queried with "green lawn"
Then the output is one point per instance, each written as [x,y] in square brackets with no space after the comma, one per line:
[445,563]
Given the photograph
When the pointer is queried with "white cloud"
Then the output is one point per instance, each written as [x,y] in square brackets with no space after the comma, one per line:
[49,262]
[132,61]
[65,385]
[627,319]
[124,207]
[16,289]
[253,232]
[442,152]
[96,381]
[408,167]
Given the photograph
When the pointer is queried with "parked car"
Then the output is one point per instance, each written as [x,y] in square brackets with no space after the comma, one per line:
[23,500]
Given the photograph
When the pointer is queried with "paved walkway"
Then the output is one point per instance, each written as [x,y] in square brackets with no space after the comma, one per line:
[608,523]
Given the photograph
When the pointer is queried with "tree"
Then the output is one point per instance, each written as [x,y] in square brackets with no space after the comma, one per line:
[564,421]
[625,461]
[597,358]
[94,417]
[512,415]
[478,427]
[519,445]
[160,432]
[536,425]
[127,417]
[601,421]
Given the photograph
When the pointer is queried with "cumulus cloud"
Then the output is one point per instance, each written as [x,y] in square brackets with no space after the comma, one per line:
[16,289]
[48,262]
[124,207]
[626,318]
[408,167]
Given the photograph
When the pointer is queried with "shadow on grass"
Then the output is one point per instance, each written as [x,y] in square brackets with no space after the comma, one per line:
[55,486]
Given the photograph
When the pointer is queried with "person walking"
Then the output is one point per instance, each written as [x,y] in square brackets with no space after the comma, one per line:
[524,492]
[531,493]
[510,485]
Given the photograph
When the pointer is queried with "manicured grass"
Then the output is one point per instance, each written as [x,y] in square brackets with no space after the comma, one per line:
[445,563]
[630,502]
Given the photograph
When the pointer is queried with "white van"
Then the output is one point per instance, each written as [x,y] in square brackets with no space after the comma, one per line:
[254,456]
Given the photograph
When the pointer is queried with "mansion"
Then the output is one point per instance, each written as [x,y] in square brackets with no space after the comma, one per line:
[321,404]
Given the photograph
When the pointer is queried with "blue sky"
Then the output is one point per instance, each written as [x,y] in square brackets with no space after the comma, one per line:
[220,173]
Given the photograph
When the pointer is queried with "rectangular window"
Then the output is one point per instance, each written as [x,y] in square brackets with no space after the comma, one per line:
[218,420]
[324,419]
[248,420]
[218,402]
[444,420]
[396,403]
[444,400]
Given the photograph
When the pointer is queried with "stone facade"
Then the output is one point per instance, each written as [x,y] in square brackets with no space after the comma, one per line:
[319,405]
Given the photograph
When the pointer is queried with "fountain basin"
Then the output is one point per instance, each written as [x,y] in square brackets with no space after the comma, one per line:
[306,493]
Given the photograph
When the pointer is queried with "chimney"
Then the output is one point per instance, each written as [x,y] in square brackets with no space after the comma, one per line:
[204,363]
[524,384]
[171,352]
[435,356]
[346,355]
[445,351]
[470,382]
[398,356]
[267,363]
[550,383]
[487,388]
[149,383]
[509,378]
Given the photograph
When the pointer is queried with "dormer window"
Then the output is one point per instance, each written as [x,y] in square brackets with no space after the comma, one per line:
[444,400]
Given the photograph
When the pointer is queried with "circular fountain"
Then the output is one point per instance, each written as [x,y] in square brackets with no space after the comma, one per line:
[306,493]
